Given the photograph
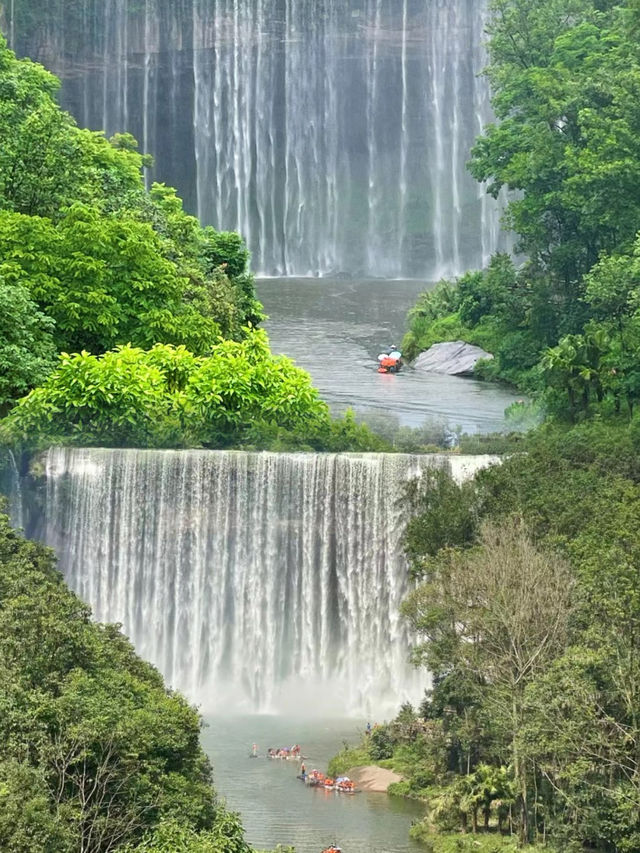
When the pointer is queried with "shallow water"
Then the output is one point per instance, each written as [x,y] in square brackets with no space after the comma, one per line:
[276,808]
[335,330]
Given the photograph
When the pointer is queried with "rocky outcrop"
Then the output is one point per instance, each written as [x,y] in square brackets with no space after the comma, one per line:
[455,358]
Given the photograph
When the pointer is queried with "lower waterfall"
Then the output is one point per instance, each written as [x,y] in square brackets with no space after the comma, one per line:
[254,581]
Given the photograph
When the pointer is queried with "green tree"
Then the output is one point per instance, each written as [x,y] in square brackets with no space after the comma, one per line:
[166,396]
[46,161]
[27,349]
[95,751]
[103,280]
[108,261]
[500,613]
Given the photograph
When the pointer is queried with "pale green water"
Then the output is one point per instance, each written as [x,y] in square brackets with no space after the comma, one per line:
[276,808]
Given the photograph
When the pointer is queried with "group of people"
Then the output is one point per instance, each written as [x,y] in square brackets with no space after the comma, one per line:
[390,361]
[314,777]
[285,752]
[318,780]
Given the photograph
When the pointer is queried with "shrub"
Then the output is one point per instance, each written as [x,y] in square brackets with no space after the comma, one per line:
[166,396]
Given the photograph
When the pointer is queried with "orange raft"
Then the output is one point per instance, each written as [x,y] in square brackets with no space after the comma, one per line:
[389,365]
[343,784]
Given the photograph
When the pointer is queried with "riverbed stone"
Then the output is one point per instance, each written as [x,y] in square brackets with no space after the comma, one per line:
[454,358]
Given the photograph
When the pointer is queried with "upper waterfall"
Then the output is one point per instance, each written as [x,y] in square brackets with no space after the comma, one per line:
[260,581]
[333,134]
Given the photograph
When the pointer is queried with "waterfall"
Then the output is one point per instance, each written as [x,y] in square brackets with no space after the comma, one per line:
[254,581]
[333,134]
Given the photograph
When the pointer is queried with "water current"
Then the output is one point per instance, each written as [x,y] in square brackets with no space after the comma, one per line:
[335,330]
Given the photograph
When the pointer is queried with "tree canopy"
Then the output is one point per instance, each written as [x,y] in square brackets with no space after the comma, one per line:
[167,397]
[563,322]
[96,753]
[103,261]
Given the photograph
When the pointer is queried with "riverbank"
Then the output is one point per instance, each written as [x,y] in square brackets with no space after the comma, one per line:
[373,778]
[326,328]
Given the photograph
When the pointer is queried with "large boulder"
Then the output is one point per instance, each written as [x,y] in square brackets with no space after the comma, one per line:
[454,358]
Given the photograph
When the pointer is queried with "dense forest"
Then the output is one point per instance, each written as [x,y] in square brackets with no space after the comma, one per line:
[527,597]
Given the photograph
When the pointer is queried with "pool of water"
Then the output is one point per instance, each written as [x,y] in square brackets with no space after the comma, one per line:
[276,808]
[335,330]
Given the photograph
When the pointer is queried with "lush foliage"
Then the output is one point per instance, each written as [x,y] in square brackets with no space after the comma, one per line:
[565,77]
[100,261]
[96,754]
[528,603]
[166,396]
[27,349]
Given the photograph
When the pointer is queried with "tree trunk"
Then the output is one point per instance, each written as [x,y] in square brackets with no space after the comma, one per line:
[520,774]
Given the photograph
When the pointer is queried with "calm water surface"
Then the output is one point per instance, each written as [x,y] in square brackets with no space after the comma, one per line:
[278,809]
[335,330]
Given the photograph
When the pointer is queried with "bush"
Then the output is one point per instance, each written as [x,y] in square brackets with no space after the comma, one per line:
[380,743]
[111,752]
[400,789]
[226,836]
[167,397]
[456,843]
[347,759]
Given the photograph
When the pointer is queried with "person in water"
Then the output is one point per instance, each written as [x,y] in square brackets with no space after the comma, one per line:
[303,771]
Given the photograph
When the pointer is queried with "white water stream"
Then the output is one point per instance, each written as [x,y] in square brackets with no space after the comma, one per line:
[260,581]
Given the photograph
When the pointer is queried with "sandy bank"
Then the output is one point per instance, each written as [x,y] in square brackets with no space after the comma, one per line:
[373,778]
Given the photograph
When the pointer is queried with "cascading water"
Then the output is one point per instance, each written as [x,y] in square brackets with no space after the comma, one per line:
[333,134]
[252,580]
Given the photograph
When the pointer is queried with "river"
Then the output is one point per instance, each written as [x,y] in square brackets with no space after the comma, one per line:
[335,330]
[276,808]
